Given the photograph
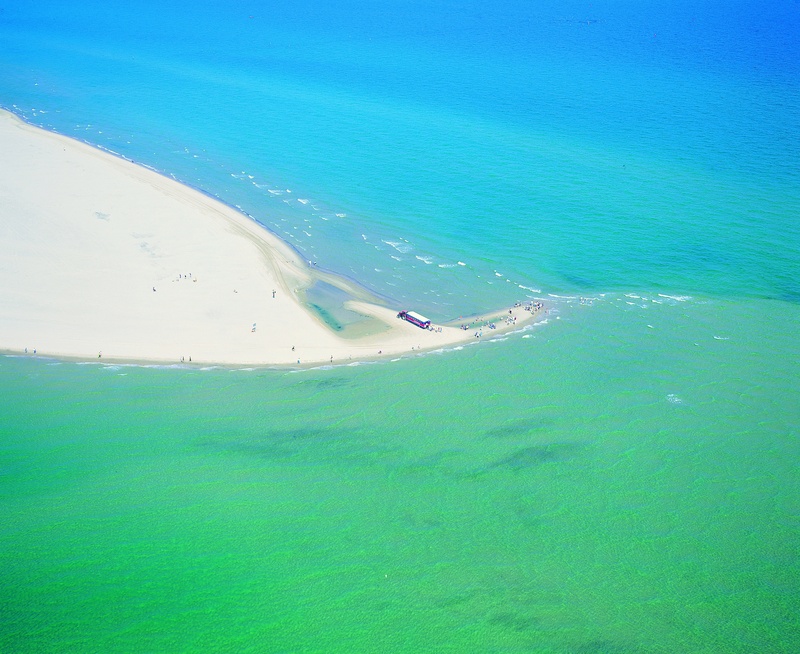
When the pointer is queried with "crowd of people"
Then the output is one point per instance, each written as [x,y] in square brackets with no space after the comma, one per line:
[510,319]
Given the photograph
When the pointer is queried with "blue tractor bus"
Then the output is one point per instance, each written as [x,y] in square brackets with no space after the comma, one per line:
[415,319]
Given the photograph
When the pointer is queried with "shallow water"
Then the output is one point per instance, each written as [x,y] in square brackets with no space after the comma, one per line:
[619,479]
[594,481]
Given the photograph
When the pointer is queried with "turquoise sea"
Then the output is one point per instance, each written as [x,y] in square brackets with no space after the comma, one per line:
[622,478]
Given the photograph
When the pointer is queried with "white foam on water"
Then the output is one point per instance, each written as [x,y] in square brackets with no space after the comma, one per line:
[674,399]
[303,201]
[427,260]
[400,246]
[721,338]
[461,263]
[677,298]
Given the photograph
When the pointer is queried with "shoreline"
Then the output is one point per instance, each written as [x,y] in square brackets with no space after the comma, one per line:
[389,355]
[105,259]
[386,357]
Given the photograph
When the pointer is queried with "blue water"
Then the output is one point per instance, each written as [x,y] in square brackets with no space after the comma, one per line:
[570,148]
[621,479]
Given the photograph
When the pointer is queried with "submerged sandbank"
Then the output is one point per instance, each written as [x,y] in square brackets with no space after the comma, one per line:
[103,258]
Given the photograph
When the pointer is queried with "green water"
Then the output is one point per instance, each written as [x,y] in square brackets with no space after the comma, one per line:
[624,480]
[602,485]
[328,303]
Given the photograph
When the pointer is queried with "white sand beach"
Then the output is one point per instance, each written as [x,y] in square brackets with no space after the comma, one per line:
[100,257]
